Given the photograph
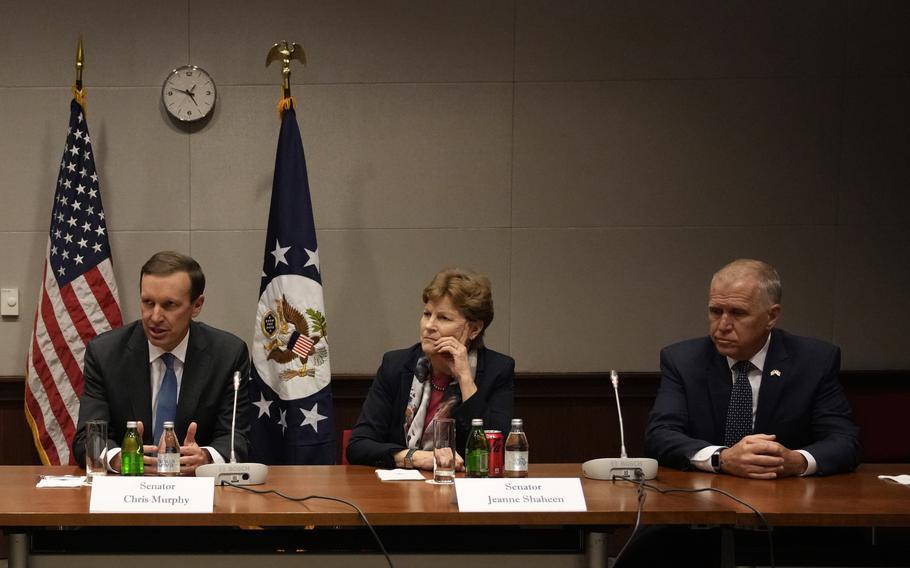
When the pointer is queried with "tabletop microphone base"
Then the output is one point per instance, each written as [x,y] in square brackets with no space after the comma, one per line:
[622,468]
[236,473]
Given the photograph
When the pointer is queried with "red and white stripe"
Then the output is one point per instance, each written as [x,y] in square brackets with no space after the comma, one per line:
[302,346]
[66,320]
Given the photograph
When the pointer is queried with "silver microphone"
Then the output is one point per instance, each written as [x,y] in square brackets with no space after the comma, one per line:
[622,467]
[233,472]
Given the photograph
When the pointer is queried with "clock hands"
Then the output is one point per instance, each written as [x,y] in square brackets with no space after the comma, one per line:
[189,93]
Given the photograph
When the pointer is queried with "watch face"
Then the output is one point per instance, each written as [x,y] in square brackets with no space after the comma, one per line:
[188,93]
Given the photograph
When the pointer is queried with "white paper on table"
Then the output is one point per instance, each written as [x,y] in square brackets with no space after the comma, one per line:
[902,479]
[61,481]
[400,474]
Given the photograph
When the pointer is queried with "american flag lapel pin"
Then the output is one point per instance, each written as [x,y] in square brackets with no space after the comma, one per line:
[775,373]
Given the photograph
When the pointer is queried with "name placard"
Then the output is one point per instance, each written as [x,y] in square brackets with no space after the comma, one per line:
[116,494]
[526,494]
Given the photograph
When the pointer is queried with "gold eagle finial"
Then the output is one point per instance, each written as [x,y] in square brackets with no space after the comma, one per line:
[286,51]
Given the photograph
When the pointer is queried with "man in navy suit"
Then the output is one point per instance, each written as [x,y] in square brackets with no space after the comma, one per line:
[127,372]
[793,416]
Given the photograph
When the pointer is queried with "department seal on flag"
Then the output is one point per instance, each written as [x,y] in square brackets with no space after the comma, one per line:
[291,350]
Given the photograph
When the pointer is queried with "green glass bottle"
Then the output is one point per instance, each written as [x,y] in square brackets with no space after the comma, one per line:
[477,460]
[131,451]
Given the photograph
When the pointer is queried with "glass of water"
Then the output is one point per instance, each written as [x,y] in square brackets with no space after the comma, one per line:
[444,450]
[95,449]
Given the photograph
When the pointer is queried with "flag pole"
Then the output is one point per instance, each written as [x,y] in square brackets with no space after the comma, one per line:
[285,51]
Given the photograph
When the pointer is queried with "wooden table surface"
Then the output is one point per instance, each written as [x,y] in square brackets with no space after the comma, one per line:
[856,499]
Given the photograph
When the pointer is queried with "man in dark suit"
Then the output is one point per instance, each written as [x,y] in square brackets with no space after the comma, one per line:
[168,367]
[751,400]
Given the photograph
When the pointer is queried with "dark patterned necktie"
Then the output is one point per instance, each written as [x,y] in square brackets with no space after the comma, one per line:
[166,409]
[739,412]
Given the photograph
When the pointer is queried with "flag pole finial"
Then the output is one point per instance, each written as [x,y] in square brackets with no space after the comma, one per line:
[285,51]
[78,90]
[80,63]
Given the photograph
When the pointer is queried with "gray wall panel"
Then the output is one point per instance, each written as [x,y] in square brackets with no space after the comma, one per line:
[598,159]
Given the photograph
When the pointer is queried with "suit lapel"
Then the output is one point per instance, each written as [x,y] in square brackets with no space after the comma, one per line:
[195,370]
[720,384]
[139,380]
[772,386]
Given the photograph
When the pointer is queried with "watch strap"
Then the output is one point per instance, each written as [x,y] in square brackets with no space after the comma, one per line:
[715,459]
[409,459]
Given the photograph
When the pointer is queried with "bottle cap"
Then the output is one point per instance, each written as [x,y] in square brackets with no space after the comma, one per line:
[131,424]
[477,422]
[168,424]
[517,422]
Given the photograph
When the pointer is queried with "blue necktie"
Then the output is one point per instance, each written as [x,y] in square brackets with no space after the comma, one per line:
[166,410]
[739,412]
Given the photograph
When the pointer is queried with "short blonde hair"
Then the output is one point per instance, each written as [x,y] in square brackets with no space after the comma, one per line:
[469,291]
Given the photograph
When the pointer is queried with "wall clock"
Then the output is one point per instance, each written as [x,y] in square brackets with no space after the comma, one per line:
[188,93]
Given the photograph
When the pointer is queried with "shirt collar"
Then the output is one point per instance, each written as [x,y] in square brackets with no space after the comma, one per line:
[178,352]
[758,359]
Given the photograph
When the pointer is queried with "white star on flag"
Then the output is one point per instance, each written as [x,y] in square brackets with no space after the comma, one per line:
[279,253]
[312,417]
[283,421]
[263,406]
[314,258]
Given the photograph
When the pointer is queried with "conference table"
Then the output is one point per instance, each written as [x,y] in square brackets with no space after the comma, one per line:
[858,499]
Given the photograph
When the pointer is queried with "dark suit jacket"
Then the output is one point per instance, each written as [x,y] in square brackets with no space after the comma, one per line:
[118,388]
[379,432]
[804,407]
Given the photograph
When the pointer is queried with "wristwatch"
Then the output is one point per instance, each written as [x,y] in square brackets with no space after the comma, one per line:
[409,459]
[715,459]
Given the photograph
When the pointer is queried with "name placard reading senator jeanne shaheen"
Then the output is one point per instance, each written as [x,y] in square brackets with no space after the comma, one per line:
[524,494]
[114,494]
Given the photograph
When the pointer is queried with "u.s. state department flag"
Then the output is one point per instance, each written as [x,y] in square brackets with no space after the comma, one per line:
[292,417]
[77,299]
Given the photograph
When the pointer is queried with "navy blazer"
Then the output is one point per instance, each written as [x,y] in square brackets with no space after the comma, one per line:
[379,433]
[803,405]
[118,388]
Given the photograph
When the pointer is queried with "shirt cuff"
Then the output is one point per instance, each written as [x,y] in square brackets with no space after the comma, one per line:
[216,457]
[111,454]
[812,466]
[702,458]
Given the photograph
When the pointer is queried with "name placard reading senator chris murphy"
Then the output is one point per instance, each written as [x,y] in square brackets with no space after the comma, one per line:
[111,494]
[525,494]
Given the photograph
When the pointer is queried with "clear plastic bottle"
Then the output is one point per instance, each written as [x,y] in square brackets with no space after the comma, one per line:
[168,452]
[477,450]
[131,451]
[516,458]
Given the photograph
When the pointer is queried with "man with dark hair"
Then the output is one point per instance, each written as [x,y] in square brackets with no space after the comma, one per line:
[167,367]
[751,400]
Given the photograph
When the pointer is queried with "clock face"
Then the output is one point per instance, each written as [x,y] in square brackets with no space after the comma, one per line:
[188,93]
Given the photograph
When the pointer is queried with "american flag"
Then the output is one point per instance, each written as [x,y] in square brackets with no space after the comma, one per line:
[292,416]
[77,299]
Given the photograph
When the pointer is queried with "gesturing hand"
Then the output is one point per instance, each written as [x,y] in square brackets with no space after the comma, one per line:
[191,455]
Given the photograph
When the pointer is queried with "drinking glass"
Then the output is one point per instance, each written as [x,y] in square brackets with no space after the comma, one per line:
[444,450]
[95,449]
